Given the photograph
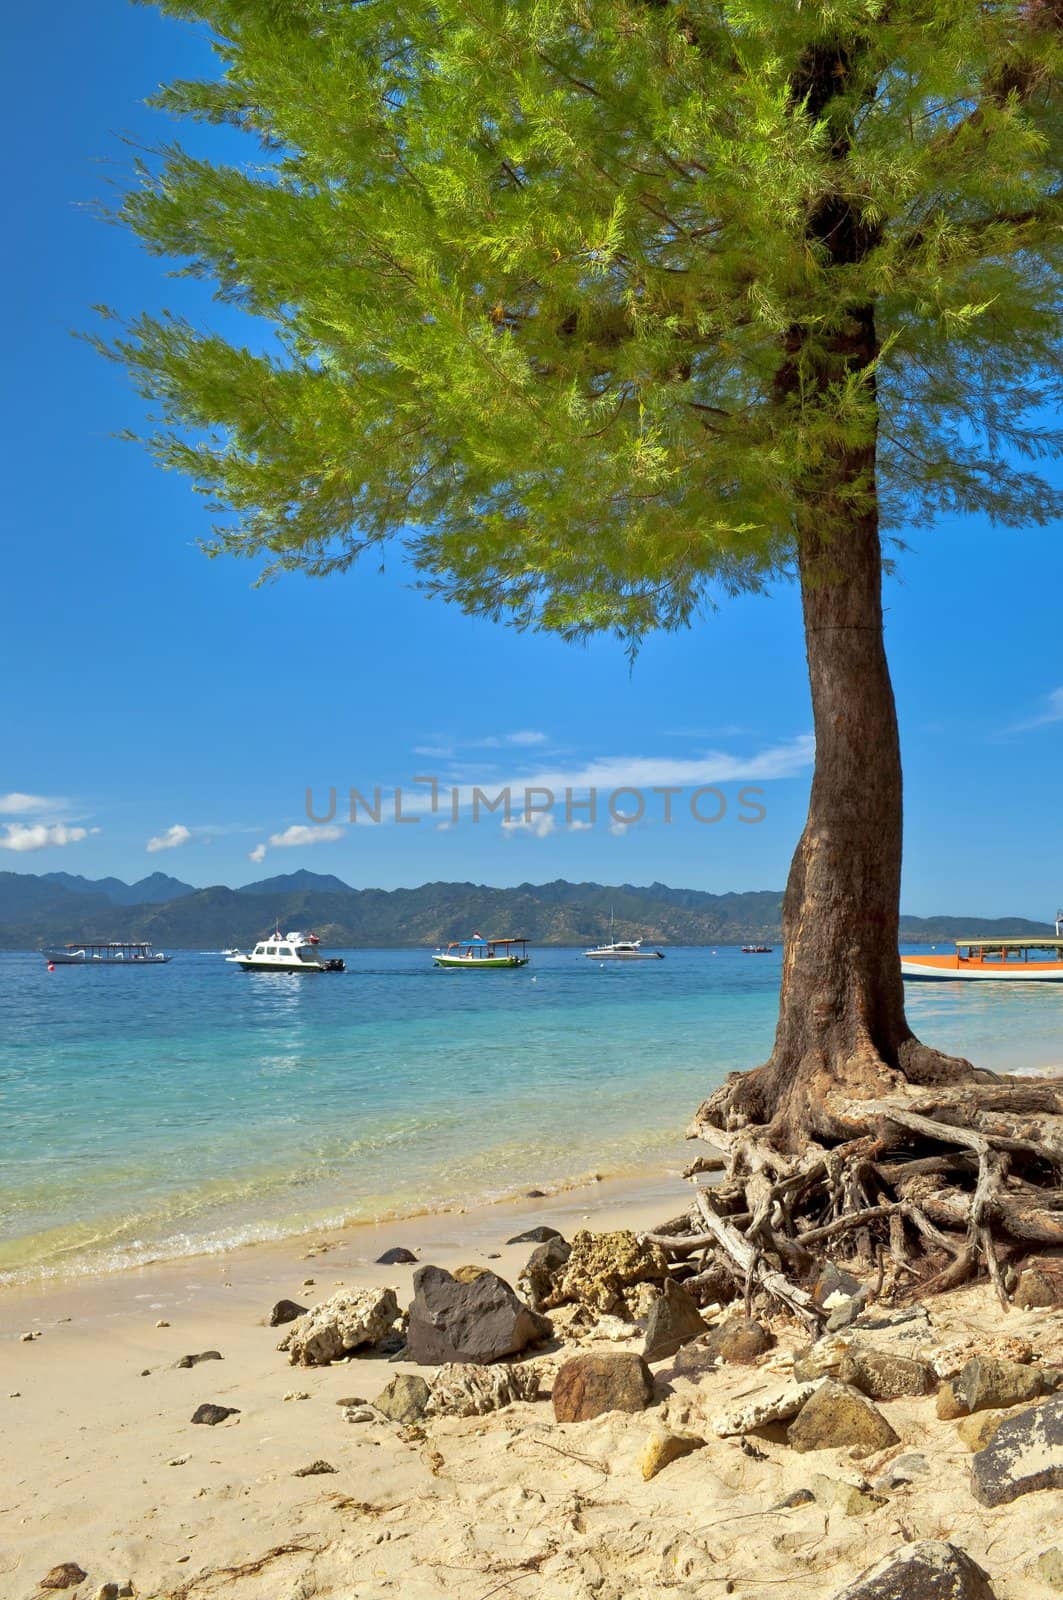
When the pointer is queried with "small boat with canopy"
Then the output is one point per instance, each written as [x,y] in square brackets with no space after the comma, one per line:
[482,955]
[981,960]
[110,953]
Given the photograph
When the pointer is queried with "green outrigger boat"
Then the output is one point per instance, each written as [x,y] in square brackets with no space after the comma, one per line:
[483,955]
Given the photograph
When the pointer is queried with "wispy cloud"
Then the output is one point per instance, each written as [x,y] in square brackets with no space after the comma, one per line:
[258,854]
[1051,712]
[17,804]
[607,773]
[39,835]
[299,834]
[443,748]
[170,840]
[603,774]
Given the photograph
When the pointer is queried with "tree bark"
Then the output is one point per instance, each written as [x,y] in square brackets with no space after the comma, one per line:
[842,1035]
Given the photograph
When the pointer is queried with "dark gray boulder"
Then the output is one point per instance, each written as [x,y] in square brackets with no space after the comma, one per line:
[540,1235]
[193,1361]
[480,1321]
[1024,1454]
[285,1311]
[397,1256]
[212,1414]
[927,1570]
[674,1321]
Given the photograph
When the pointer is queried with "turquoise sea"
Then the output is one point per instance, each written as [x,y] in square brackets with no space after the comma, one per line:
[183,1109]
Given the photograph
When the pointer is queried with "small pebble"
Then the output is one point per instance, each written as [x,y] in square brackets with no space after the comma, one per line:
[296,1394]
[314,1470]
[28,1338]
[162,1323]
[355,1400]
[308,1283]
[359,1414]
[178,1461]
[16,1394]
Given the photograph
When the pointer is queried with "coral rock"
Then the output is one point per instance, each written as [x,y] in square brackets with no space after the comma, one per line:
[350,1320]
[603,1265]
[473,1391]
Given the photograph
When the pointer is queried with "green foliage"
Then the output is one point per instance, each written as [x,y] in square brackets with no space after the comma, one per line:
[565,293]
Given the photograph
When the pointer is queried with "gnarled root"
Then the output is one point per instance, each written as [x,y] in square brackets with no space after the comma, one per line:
[931,1171]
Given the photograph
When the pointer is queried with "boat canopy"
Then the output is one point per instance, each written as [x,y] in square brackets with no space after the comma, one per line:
[107,944]
[981,942]
[480,943]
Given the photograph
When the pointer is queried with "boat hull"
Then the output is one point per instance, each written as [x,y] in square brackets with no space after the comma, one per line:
[624,955]
[279,966]
[949,969]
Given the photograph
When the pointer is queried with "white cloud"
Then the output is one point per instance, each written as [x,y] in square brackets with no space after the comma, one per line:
[576,826]
[649,772]
[1053,712]
[257,854]
[619,827]
[540,823]
[16,804]
[300,834]
[171,839]
[39,835]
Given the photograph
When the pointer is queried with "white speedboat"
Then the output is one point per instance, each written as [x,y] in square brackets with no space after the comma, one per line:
[286,952]
[623,950]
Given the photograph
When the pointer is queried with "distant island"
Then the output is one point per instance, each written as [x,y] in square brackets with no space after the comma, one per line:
[57,906]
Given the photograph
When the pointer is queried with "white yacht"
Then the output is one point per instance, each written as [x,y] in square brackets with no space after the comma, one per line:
[286,952]
[622,949]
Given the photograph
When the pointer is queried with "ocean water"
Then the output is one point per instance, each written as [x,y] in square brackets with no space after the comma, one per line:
[177,1110]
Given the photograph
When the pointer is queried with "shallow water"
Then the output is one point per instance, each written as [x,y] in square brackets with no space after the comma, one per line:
[186,1108]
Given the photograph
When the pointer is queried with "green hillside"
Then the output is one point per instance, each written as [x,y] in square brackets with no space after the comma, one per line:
[39,910]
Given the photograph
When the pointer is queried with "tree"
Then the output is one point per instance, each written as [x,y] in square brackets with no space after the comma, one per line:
[610,308]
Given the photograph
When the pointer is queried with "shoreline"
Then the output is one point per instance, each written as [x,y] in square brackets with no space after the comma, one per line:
[84,1268]
[647,1195]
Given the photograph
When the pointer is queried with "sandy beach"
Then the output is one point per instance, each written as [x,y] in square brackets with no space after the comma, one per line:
[104,1469]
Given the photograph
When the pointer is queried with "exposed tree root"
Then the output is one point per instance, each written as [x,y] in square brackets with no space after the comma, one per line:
[919,1176]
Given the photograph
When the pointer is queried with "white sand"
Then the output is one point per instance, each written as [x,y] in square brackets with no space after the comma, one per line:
[101,1466]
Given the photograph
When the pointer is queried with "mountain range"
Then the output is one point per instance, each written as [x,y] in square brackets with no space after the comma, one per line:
[56,907]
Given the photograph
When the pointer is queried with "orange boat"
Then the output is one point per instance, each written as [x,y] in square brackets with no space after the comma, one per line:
[993,960]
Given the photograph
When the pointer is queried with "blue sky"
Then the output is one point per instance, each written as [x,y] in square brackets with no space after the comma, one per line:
[153,696]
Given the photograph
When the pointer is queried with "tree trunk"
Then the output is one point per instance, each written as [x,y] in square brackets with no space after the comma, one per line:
[842,1036]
